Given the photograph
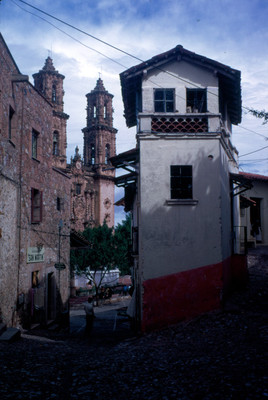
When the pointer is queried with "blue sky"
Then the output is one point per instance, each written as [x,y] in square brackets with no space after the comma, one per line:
[234,32]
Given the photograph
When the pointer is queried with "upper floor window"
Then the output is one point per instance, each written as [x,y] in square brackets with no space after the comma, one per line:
[164,100]
[54,94]
[197,100]
[36,206]
[55,150]
[92,154]
[107,153]
[35,135]
[11,115]
[94,111]
[181,182]
[105,112]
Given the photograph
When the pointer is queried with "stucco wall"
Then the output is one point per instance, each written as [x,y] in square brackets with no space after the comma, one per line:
[179,237]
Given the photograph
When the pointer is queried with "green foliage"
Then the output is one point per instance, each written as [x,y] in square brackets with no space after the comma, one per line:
[122,237]
[107,249]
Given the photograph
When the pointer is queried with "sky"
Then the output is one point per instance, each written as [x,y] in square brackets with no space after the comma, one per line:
[233,32]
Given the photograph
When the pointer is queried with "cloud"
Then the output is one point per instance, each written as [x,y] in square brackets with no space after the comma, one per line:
[232,32]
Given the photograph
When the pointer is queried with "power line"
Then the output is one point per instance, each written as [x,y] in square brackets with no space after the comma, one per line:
[70,36]
[120,50]
[243,155]
[81,31]
[250,130]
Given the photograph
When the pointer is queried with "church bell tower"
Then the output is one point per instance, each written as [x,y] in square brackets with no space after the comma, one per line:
[99,146]
[49,82]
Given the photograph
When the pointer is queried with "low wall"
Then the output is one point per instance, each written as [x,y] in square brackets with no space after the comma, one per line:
[173,298]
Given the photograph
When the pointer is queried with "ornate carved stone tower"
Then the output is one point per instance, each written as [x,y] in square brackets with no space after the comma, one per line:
[92,178]
[49,82]
[99,146]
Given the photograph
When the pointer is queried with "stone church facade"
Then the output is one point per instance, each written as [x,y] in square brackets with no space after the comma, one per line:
[92,178]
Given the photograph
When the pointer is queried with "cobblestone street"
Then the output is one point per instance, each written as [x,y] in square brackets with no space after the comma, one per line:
[220,355]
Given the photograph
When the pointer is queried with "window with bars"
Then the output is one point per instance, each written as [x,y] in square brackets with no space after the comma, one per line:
[36,206]
[181,182]
[164,100]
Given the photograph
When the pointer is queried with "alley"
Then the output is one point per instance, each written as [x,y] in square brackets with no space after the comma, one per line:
[220,355]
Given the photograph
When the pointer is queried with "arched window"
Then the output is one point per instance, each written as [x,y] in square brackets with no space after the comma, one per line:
[94,111]
[107,153]
[105,112]
[54,93]
[55,143]
[92,154]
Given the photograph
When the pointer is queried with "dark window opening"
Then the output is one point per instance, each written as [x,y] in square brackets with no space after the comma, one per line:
[78,188]
[164,100]
[105,112]
[92,154]
[197,100]
[11,114]
[55,143]
[34,143]
[107,153]
[36,206]
[181,185]
[58,203]
[54,94]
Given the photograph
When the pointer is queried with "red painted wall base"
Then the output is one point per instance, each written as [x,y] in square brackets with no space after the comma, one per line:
[173,298]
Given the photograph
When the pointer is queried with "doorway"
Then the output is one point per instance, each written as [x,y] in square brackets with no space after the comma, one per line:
[255,219]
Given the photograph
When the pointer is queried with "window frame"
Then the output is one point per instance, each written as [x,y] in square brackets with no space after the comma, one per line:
[195,101]
[181,182]
[165,101]
[36,204]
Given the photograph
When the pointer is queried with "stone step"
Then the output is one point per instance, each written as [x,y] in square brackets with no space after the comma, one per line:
[10,335]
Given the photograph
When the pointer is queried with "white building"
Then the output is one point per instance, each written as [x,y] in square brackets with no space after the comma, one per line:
[185,207]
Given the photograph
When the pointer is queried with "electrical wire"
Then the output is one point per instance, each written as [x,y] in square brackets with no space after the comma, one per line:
[255,151]
[120,50]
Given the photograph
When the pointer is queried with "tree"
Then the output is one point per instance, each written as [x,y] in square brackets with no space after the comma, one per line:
[97,258]
[107,249]
[122,238]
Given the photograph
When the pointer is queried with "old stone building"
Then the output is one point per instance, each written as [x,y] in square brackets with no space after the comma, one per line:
[34,195]
[92,179]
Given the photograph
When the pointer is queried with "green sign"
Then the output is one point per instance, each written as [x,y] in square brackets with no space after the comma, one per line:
[60,266]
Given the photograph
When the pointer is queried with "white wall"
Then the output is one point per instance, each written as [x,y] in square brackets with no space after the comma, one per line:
[175,238]
[180,71]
